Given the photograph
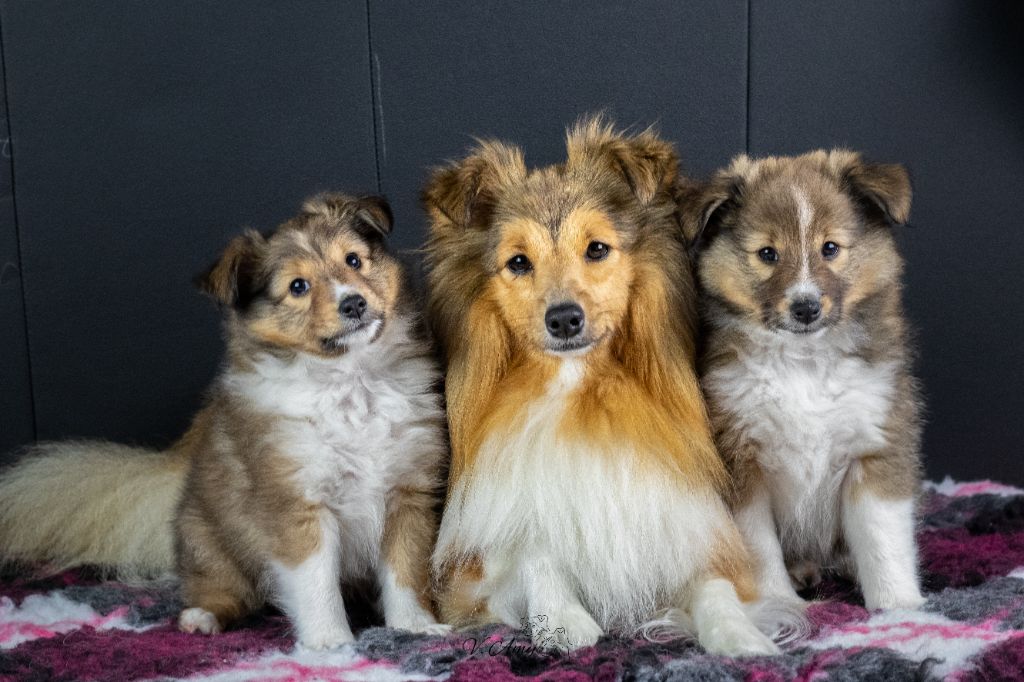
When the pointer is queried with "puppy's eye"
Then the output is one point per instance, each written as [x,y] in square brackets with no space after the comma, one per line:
[597,251]
[298,287]
[519,264]
[768,254]
[353,261]
[830,250]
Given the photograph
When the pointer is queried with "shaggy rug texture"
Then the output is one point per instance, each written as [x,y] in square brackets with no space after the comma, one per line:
[76,627]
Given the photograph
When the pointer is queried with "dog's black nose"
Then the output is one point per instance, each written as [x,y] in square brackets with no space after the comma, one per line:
[352,306]
[805,310]
[564,320]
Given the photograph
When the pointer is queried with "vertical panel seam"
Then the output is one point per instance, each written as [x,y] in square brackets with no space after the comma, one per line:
[746,138]
[373,97]
[17,236]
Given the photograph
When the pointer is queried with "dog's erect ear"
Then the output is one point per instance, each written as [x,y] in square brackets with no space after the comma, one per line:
[463,193]
[702,206]
[648,164]
[373,217]
[878,186]
[234,279]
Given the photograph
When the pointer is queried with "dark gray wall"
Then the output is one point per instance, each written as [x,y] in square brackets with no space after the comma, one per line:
[143,135]
[16,411]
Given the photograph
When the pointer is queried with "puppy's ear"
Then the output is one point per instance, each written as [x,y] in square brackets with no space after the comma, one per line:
[373,217]
[883,187]
[370,215]
[648,164]
[703,206]
[234,280]
[463,193]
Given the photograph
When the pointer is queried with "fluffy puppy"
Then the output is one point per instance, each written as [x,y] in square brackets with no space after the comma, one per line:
[585,486]
[807,367]
[316,460]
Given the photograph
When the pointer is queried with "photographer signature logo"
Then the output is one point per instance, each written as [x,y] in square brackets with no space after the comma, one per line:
[534,637]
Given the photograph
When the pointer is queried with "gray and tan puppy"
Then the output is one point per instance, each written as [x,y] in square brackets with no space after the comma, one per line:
[807,368]
[316,461]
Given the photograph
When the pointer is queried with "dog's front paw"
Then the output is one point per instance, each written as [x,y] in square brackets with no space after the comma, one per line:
[198,620]
[330,638]
[418,621]
[738,638]
[431,628]
[566,630]
[782,594]
[910,600]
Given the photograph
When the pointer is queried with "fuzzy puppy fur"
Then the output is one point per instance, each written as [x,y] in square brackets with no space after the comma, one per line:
[585,485]
[807,367]
[316,460]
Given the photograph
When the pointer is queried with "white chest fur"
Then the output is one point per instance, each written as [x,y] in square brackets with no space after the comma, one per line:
[813,408]
[626,537]
[356,427]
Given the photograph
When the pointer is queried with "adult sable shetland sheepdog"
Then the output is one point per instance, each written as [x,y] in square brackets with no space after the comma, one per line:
[807,367]
[315,461]
[584,485]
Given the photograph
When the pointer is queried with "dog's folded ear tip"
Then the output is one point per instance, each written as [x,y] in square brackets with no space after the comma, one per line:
[460,193]
[647,163]
[886,186]
[374,212]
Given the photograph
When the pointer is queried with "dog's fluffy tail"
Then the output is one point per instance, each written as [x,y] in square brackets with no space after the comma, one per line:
[74,503]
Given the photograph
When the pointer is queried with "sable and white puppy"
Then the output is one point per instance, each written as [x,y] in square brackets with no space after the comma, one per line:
[585,487]
[807,368]
[316,460]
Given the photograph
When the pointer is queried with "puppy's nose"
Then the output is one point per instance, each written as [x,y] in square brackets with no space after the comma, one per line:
[352,306]
[805,310]
[564,320]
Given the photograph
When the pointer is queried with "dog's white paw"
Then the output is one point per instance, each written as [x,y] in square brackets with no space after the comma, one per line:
[783,595]
[431,628]
[567,629]
[330,638]
[418,621]
[199,620]
[737,638]
[910,600]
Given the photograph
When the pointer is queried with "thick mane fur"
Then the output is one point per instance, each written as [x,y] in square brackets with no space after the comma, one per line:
[633,178]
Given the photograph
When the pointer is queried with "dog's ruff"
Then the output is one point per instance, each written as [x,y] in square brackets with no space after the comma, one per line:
[585,490]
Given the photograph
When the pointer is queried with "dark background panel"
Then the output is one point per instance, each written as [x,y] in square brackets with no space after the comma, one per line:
[16,426]
[143,135]
[936,85]
[146,134]
[524,71]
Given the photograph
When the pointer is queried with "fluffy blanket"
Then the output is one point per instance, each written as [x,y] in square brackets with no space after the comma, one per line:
[77,627]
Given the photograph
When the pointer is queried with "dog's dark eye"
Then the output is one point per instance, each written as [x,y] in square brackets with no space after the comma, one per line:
[519,264]
[298,287]
[597,251]
[829,250]
[768,254]
[353,261]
